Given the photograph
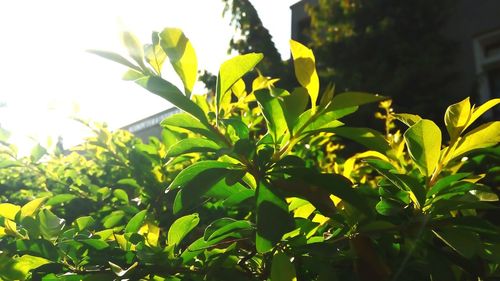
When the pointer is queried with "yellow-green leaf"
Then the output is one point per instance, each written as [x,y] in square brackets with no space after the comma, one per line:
[8,210]
[483,136]
[232,70]
[423,141]
[456,118]
[31,207]
[476,113]
[182,56]
[181,227]
[305,69]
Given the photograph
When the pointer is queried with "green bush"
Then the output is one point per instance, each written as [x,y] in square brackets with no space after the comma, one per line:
[255,183]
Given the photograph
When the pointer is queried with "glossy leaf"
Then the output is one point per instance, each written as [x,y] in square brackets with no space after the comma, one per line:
[188,122]
[181,227]
[273,219]
[294,104]
[273,113]
[195,170]
[84,222]
[192,145]
[305,69]
[456,118]
[408,119]
[483,136]
[136,222]
[445,182]
[19,268]
[423,141]
[223,226]
[232,70]
[182,56]
[282,269]
[121,195]
[154,54]
[477,112]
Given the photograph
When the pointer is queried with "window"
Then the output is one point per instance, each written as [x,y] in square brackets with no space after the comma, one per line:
[487,54]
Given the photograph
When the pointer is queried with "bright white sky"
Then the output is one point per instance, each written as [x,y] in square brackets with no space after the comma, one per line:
[46,76]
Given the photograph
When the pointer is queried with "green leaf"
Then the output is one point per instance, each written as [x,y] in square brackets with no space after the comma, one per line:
[120,272]
[236,128]
[182,56]
[134,48]
[84,222]
[171,93]
[402,181]
[273,219]
[483,136]
[60,198]
[212,183]
[224,226]
[37,153]
[388,207]
[445,182]
[350,99]
[457,117]
[50,224]
[154,54]
[19,268]
[325,122]
[113,219]
[116,58]
[31,207]
[305,70]
[135,222]
[121,195]
[195,170]
[423,141]
[9,211]
[408,119]
[273,113]
[294,105]
[190,145]
[237,198]
[188,122]
[282,269]
[231,71]
[181,227]
[95,243]
[370,138]
[476,113]
[464,242]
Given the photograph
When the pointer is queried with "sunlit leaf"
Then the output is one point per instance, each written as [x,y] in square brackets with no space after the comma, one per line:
[305,69]
[181,227]
[182,56]
[483,136]
[408,119]
[457,117]
[31,207]
[477,112]
[135,222]
[232,70]
[116,58]
[273,113]
[192,145]
[423,141]
[350,99]
[9,211]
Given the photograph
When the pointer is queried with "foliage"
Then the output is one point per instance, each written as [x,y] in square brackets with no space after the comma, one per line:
[250,185]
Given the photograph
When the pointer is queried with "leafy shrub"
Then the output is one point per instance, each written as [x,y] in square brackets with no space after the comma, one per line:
[252,184]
